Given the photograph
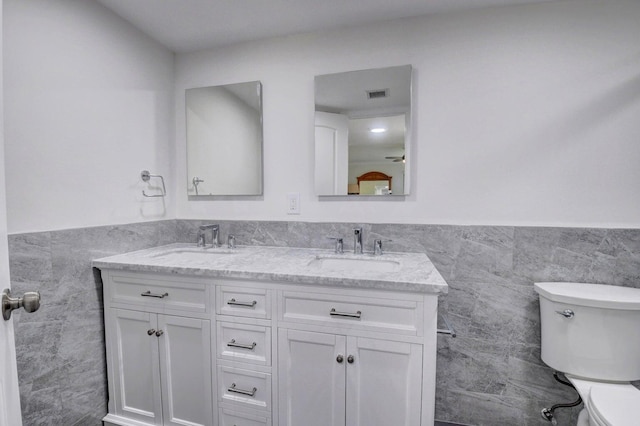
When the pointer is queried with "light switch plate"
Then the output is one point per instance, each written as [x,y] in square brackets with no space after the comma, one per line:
[293,203]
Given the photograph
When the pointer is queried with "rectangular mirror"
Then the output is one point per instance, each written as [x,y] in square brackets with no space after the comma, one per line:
[362,122]
[224,139]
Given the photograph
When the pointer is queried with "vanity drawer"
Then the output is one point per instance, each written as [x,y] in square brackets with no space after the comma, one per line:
[387,315]
[245,343]
[244,388]
[243,302]
[237,418]
[165,293]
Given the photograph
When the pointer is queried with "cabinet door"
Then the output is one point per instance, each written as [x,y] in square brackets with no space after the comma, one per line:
[311,379]
[136,372]
[185,365]
[384,383]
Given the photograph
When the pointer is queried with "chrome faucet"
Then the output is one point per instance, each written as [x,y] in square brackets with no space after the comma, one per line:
[357,240]
[339,244]
[215,232]
[231,241]
[377,247]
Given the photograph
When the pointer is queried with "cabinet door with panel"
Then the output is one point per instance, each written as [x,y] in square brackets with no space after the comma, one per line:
[160,368]
[384,382]
[185,366]
[328,379]
[135,369]
[311,378]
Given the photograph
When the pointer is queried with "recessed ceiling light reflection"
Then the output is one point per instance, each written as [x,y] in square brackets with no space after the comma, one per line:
[378,130]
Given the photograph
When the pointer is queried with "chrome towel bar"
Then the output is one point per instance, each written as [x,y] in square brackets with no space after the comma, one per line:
[449,330]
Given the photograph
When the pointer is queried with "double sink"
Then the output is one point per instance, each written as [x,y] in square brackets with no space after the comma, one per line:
[323,262]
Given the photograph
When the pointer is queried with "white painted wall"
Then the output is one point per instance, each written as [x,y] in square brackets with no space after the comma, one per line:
[524,115]
[88,105]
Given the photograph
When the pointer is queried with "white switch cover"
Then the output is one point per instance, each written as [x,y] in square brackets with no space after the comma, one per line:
[293,203]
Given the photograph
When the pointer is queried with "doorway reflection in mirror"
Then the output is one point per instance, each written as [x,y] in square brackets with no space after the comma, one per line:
[362,122]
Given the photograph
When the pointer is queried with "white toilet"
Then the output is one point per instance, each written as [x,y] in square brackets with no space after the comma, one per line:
[591,332]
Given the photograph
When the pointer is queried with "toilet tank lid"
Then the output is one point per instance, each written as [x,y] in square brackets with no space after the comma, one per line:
[594,295]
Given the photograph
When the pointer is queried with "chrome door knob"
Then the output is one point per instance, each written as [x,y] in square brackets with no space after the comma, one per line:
[30,301]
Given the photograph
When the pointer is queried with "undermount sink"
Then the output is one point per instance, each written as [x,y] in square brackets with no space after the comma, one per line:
[193,253]
[359,264]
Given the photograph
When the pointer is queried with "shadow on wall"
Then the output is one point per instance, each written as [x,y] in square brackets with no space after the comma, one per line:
[491,374]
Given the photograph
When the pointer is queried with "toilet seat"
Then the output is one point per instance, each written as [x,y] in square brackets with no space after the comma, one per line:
[613,404]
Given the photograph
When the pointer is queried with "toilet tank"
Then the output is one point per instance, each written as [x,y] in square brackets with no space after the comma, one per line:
[590,330]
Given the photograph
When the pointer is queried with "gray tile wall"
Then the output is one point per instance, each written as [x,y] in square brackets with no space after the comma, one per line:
[60,348]
[491,374]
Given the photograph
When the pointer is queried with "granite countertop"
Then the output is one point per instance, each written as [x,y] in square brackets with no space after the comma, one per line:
[409,272]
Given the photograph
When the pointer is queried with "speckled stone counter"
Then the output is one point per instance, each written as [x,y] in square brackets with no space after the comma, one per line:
[410,272]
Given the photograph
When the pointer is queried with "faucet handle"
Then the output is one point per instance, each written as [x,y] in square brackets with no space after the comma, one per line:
[339,247]
[357,240]
[377,246]
[201,242]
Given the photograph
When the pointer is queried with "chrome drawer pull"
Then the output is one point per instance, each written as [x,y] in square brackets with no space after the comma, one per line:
[233,344]
[236,303]
[334,313]
[149,294]
[242,391]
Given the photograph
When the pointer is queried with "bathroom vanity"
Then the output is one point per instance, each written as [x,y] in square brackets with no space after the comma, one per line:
[270,336]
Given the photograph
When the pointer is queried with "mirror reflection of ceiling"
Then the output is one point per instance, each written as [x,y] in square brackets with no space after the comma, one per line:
[366,147]
[246,93]
[189,25]
[348,94]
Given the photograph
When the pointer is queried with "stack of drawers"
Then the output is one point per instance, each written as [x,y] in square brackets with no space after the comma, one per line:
[244,355]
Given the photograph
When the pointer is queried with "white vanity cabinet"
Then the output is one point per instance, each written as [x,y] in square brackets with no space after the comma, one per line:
[345,359]
[269,347]
[346,380]
[158,356]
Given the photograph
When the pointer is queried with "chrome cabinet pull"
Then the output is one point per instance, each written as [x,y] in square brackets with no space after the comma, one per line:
[242,391]
[350,359]
[151,332]
[159,333]
[234,302]
[340,358]
[335,313]
[233,344]
[149,294]
[567,313]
